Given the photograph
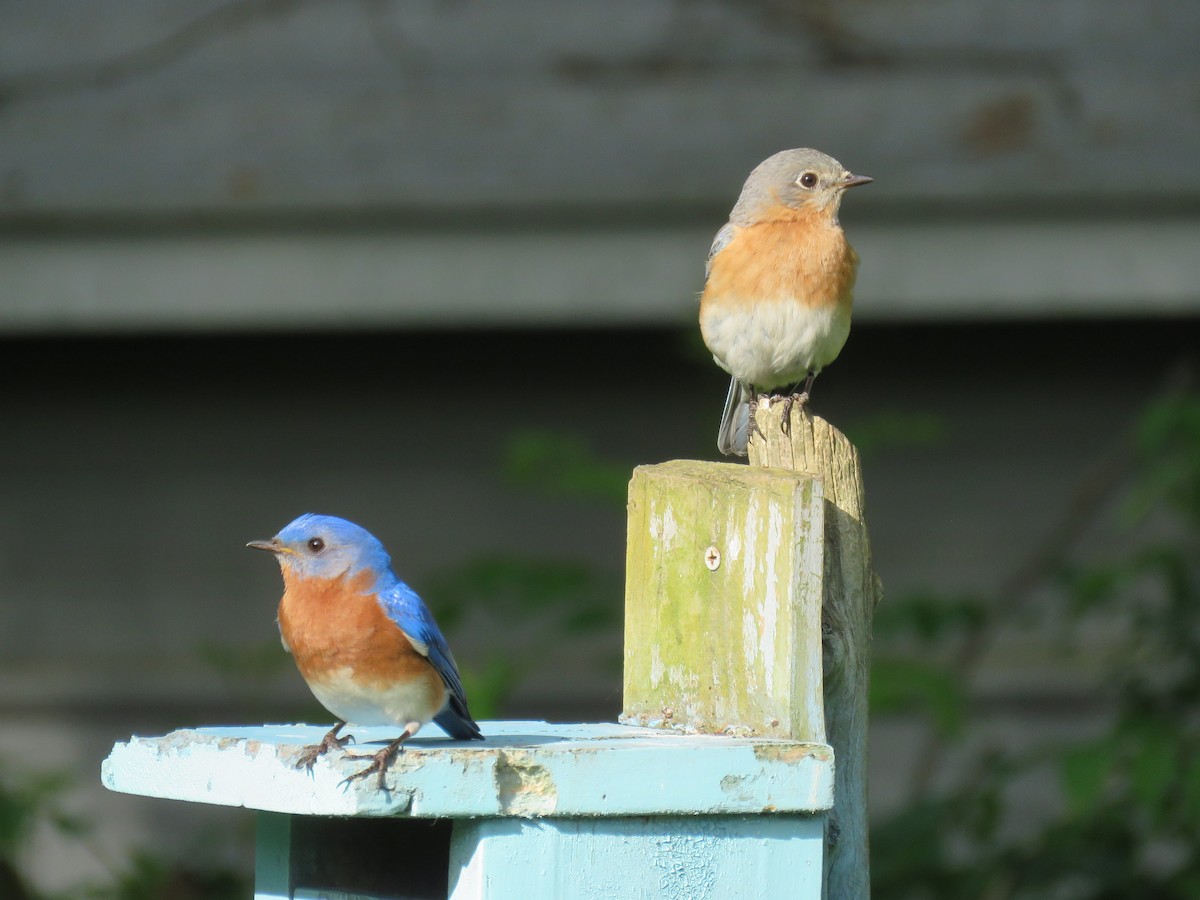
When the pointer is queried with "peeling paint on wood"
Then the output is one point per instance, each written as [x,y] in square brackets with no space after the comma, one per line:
[523,769]
[850,592]
[735,649]
[698,858]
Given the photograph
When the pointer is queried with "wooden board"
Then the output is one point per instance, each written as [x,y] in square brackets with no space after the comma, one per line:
[522,769]
[722,600]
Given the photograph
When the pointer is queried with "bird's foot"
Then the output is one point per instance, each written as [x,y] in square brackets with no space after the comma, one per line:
[801,400]
[330,742]
[754,428]
[379,765]
[381,760]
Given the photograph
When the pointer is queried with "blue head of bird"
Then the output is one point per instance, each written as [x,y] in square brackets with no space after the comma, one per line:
[326,547]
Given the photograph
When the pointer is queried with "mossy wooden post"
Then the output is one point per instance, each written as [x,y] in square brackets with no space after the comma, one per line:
[749,598]
[851,591]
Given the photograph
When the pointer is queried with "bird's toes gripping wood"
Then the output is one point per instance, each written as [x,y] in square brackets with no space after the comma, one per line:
[754,429]
[800,399]
[381,760]
[330,742]
[379,765]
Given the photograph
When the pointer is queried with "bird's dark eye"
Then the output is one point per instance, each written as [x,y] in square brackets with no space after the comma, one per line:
[316,545]
[808,180]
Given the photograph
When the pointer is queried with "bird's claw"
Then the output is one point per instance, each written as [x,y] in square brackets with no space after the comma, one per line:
[800,399]
[379,766]
[313,752]
[754,427]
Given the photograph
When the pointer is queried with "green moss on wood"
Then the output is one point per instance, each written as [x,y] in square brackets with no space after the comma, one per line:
[736,647]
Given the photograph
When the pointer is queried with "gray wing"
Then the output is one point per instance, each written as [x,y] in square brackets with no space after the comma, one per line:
[733,438]
[720,242]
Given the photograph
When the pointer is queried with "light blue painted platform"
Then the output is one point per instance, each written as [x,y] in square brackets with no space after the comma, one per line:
[537,811]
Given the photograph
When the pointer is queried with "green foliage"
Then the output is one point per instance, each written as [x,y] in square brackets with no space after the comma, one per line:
[896,430]
[151,876]
[541,603]
[929,617]
[1167,441]
[563,466]
[29,801]
[538,601]
[910,685]
[254,662]
[33,802]
[1129,808]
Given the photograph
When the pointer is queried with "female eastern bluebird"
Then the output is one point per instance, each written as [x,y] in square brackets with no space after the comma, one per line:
[363,640]
[779,284]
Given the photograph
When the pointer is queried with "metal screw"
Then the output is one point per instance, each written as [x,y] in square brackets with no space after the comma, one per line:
[712,558]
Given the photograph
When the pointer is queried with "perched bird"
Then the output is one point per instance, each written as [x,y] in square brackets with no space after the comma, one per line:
[363,640]
[779,284]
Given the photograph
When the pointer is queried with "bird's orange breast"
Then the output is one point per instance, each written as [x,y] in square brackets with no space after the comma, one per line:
[796,255]
[335,624]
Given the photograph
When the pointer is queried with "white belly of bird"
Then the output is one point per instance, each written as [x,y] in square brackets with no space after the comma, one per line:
[356,704]
[771,345]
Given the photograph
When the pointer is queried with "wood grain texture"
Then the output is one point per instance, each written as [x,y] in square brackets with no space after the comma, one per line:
[247,105]
[522,770]
[722,603]
[851,591]
[693,857]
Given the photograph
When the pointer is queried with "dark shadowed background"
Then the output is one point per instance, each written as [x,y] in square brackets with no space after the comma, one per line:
[434,266]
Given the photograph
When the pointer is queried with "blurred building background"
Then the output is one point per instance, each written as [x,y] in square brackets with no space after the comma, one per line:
[433,267]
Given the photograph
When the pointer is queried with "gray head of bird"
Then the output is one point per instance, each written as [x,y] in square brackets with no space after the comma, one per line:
[801,180]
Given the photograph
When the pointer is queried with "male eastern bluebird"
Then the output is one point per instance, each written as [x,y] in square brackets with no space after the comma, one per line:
[779,284]
[363,640]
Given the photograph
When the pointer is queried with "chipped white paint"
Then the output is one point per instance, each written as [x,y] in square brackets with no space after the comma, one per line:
[849,592]
[656,665]
[735,544]
[750,648]
[808,570]
[768,606]
[522,769]
[541,811]
[524,786]
[669,530]
[690,858]
[682,677]
[751,561]
[727,641]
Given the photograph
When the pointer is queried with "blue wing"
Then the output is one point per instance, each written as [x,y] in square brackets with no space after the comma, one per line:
[404,607]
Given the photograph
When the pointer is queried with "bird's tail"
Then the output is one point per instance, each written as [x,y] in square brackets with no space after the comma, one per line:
[733,438]
[456,720]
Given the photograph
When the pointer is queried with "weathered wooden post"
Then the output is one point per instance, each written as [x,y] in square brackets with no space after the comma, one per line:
[749,599]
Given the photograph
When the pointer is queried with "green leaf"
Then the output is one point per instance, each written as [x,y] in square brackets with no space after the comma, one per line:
[509,582]
[1154,766]
[1090,588]
[906,685]
[1190,798]
[892,430]
[490,687]
[931,617]
[1084,773]
[564,466]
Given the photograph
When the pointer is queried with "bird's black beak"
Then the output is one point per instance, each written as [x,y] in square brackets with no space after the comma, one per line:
[855,180]
[271,546]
